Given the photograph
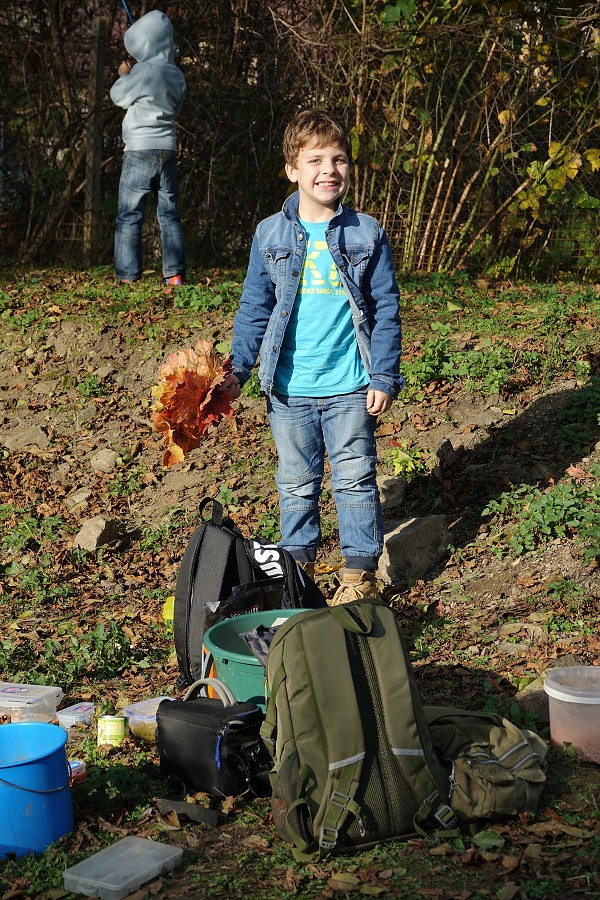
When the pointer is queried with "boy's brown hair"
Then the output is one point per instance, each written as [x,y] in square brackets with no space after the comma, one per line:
[315,127]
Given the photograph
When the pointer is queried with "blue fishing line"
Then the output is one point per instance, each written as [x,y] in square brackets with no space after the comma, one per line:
[127,11]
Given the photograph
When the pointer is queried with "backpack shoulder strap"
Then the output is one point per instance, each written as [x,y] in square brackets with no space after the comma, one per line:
[332,751]
[214,549]
[183,593]
[402,710]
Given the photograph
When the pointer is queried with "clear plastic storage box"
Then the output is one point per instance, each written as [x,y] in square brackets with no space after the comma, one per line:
[29,702]
[78,714]
[142,717]
[117,871]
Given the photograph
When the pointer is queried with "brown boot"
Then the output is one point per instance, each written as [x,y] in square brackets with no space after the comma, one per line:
[355,585]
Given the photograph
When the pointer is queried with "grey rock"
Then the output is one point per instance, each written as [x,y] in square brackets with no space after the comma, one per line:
[85,415]
[413,548]
[96,532]
[508,648]
[45,387]
[534,703]
[391,491]
[78,500]
[446,453]
[104,460]
[104,372]
[25,436]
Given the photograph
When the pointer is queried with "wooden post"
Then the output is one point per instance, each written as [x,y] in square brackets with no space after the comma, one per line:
[93,157]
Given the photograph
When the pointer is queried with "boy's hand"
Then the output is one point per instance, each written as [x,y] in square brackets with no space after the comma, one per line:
[230,386]
[125,67]
[378,402]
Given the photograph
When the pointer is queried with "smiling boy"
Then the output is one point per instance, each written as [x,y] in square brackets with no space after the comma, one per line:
[320,303]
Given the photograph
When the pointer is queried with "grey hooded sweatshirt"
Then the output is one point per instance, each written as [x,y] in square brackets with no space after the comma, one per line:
[153,91]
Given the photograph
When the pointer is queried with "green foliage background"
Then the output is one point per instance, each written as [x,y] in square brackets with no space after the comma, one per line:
[475,126]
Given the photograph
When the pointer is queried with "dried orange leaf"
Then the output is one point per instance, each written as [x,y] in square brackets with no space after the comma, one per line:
[186,399]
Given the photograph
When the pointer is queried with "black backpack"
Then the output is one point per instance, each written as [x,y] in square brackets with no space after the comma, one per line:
[224,574]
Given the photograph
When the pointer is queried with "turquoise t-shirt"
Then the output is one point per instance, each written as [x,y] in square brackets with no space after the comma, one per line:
[319,355]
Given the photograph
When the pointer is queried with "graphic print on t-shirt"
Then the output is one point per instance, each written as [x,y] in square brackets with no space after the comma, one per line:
[319,355]
[313,281]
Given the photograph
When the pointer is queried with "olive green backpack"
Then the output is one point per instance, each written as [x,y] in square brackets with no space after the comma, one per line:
[356,757]
[496,769]
[353,761]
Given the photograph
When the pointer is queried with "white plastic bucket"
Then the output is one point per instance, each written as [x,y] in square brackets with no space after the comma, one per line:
[574,700]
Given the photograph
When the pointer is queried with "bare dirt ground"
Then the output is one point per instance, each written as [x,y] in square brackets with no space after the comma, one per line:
[480,628]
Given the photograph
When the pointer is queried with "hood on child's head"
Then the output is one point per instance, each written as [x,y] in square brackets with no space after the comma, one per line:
[151,36]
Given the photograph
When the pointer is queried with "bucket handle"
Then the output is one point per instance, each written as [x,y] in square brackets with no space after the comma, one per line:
[30,790]
[220,688]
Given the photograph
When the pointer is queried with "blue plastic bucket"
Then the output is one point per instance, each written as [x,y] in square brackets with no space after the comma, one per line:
[235,663]
[35,794]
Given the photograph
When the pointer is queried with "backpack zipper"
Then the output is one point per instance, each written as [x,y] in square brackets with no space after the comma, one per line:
[483,759]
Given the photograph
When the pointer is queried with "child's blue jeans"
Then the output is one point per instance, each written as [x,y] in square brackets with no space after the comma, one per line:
[303,428]
[148,172]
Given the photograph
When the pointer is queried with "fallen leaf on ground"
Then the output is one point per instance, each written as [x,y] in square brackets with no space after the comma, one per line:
[508,891]
[344,881]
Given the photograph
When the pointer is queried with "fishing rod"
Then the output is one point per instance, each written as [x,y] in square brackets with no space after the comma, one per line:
[129,16]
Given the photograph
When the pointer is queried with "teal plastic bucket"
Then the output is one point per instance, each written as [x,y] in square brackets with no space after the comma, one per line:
[235,663]
[35,794]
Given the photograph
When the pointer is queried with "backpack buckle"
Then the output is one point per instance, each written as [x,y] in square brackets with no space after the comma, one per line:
[339,799]
[328,837]
[443,813]
[445,816]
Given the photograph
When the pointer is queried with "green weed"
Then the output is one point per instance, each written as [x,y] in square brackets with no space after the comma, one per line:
[203,298]
[92,386]
[26,530]
[502,706]
[109,787]
[541,888]
[30,539]
[406,460]
[526,517]
[583,405]
[252,387]
[36,874]
[226,496]
[40,581]
[102,653]
[488,368]
[558,626]
[25,320]
[434,363]
[68,659]
[569,593]
[268,526]
[435,289]
[156,539]
[127,483]
[15,658]
[574,438]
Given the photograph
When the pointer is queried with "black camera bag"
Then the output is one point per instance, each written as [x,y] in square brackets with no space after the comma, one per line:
[213,745]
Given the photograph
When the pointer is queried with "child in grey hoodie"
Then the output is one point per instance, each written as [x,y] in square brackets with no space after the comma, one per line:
[152,92]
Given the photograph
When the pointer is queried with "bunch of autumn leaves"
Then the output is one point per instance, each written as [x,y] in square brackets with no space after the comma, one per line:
[187,400]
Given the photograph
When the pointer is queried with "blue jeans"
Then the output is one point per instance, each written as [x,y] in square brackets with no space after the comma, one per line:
[303,428]
[145,172]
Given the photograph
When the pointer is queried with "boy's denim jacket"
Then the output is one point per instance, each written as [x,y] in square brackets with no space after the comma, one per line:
[361,252]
